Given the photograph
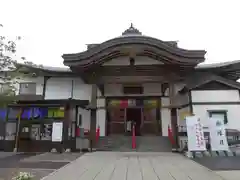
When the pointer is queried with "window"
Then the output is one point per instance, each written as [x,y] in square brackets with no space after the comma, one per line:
[27,88]
[219,114]
[133,90]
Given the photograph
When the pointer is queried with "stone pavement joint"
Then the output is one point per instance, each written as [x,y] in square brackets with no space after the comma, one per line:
[133,165]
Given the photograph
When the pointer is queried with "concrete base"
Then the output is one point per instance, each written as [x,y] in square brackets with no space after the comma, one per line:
[68,150]
[15,150]
[53,150]
[189,154]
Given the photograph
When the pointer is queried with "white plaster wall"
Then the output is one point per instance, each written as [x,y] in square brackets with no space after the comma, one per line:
[101,116]
[215,96]
[64,88]
[149,89]
[233,111]
[113,90]
[152,89]
[101,121]
[39,84]
[124,61]
[233,114]
[80,90]
[181,121]
[85,118]
[165,116]
[58,88]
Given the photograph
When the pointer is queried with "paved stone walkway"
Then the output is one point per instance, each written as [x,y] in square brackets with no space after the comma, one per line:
[229,175]
[133,166]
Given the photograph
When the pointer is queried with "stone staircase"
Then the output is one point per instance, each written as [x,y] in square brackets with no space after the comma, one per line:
[115,143]
[153,144]
[144,143]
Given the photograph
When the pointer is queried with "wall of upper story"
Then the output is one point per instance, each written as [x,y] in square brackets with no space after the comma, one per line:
[38,80]
[64,88]
[60,88]
[207,100]
[149,89]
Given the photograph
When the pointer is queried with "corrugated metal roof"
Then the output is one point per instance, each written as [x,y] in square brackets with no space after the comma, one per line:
[48,68]
[200,78]
[217,65]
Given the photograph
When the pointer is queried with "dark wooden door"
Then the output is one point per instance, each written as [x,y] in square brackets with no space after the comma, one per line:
[150,121]
[116,121]
[135,115]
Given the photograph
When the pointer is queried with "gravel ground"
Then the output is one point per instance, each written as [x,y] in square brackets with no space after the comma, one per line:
[220,163]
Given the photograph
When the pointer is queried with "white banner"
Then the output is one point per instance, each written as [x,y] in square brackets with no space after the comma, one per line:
[196,141]
[57,130]
[218,139]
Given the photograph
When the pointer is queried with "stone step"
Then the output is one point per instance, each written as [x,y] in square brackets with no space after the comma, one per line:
[115,143]
[144,143]
[153,143]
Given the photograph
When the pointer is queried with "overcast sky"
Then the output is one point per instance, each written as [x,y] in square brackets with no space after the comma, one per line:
[51,28]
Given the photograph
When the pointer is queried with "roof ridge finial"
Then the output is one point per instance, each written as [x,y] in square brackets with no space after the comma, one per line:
[131,26]
[131,31]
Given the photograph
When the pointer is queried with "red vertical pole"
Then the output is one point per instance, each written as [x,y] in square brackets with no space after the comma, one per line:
[133,138]
[170,135]
[98,133]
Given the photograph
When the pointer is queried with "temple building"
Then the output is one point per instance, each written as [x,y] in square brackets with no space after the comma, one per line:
[130,78]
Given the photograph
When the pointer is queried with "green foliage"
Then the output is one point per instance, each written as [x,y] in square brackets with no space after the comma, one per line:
[9,68]
[23,176]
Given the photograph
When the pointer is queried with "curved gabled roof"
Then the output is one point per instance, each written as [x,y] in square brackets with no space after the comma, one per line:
[228,69]
[131,37]
[217,65]
[199,78]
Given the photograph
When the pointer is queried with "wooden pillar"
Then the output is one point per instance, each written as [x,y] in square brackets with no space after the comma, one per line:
[173,114]
[93,117]
[67,126]
[64,142]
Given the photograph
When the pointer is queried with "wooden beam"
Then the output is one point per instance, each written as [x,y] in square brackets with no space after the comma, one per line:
[135,79]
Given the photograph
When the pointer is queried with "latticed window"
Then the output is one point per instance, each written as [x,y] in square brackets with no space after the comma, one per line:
[27,88]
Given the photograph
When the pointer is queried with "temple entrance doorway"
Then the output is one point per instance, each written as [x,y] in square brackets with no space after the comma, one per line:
[144,111]
[134,115]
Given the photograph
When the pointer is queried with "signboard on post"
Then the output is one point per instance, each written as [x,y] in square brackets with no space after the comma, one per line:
[196,141]
[218,139]
[57,131]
